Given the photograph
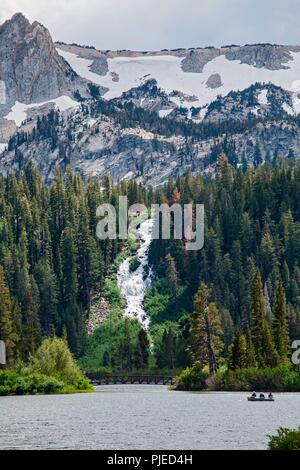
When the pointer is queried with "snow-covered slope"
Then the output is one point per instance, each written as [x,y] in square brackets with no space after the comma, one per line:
[18,112]
[125,73]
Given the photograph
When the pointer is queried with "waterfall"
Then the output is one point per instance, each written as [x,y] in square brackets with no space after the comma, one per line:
[133,284]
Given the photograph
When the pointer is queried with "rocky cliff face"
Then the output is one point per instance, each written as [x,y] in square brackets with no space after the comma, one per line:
[267,56]
[31,70]
[197,58]
[99,66]
[148,96]
[93,146]
[261,100]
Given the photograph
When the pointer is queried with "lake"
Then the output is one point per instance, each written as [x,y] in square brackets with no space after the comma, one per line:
[143,417]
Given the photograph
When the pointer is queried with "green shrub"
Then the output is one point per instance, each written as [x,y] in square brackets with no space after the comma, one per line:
[51,370]
[53,359]
[104,346]
[192,378]
[4,390]
[112,292]
[286,439]
[156,303]
[26,382]
[132,245]
[159,302]
[281,379]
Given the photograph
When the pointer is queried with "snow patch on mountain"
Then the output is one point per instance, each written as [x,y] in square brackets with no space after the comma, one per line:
[2,147]
[164,112]
[18,112]
[263,97]
[167,71]
[2,92]
[81,66]
[288,108]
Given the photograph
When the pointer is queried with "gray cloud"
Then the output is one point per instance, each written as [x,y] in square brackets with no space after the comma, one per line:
[157,24]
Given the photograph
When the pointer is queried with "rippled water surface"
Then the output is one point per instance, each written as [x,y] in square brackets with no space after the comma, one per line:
[143,417]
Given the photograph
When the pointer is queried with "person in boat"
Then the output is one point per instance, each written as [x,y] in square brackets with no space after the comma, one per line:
[270,396]
[253,395]
[261,396]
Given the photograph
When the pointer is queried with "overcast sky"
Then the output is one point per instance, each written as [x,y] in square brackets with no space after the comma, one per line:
[158,24]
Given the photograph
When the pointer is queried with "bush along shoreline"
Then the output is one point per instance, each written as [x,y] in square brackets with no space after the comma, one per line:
[286,439]
[52,370]
[283,378]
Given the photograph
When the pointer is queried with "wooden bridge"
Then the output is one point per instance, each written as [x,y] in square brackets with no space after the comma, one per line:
[130,379]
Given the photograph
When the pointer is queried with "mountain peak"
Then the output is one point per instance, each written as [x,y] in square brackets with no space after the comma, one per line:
[19,16]
[17,21]
[31,69]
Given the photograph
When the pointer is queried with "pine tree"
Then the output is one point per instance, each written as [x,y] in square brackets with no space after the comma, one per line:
[250,356]
[126,348]
[224,171]
[257,159]
[170,348]
[166,354]
[31,328]
[172,276]
[48,295]
[261,333]
[228,329]
[238,352]
[89,259]
[8,321]
[280,324]
[141,356]
[205,344]
[69,285]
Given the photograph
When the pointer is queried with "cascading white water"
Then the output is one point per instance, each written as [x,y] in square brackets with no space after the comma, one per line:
[133,284]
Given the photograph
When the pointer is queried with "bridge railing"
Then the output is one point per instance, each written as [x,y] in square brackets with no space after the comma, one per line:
[130,379]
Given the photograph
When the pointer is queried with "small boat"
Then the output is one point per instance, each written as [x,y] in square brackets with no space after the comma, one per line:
[260,399]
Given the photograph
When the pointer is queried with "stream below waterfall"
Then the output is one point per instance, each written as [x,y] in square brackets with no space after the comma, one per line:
[134,283]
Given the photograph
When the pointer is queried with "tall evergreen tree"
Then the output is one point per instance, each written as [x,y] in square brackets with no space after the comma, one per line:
[126,348]
[8,320]
[261,333]
[141,356]
[166,354]
[238,351]
[280,324]
[205,343]
[172,276]
[250,350]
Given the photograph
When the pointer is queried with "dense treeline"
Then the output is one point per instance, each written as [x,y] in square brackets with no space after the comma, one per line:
[233,304]
[236,301]
[50,258]
[239,297]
